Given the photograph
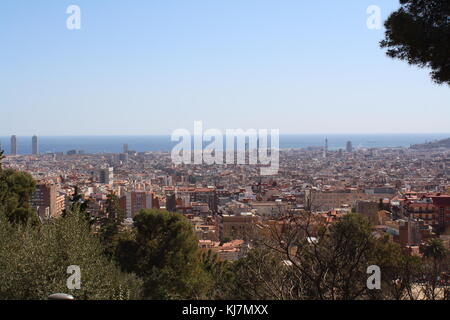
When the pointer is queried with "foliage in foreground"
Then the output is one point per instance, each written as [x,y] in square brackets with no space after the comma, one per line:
[34,261]
[164,252]
[285,266]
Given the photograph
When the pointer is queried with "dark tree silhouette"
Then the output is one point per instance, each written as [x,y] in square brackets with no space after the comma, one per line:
[164,253]
[79,204]
[419,33]
[436,262]
[16,189]
[110,223]
[2,156]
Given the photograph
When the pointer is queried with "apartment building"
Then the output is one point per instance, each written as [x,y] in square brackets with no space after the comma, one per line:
[238,226]
[134,201]
[434,210]
[318,200]
[47,202]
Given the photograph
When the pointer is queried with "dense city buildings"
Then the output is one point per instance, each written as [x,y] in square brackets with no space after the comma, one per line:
[404,192]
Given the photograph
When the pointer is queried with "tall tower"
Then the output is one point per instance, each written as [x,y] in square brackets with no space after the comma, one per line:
[13,145]
[35,143]
[325,151]
[125,148]
[349,146]
[106,175]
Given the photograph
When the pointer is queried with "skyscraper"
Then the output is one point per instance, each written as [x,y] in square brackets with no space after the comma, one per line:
[106,175]
[35,143]
[325,150]
[13,145]
[349,146]
[125,148]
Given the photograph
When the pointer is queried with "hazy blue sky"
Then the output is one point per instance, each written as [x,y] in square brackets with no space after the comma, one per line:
[149,67]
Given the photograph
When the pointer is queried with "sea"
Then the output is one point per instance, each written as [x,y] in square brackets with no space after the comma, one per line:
[114,144]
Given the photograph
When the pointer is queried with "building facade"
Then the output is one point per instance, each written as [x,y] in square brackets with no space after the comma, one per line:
[434,210]
[35,145]
[135,201]
[106,175]
[13,145]
[47,202]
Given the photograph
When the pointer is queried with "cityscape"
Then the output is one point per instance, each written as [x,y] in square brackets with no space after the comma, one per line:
[343,193]
[403,192]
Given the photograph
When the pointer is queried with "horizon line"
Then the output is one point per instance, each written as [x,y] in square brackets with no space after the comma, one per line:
[281,134]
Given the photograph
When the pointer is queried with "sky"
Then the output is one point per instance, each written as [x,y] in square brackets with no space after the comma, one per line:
[152,66]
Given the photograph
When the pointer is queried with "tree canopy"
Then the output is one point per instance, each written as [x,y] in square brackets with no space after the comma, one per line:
[419,33]
[332,266]
[34,261]
[164,253]
[15,194]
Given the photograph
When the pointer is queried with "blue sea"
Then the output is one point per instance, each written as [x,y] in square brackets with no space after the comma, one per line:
[114,144]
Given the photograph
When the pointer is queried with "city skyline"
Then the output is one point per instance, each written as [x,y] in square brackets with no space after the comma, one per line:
[220,156]
[115,144]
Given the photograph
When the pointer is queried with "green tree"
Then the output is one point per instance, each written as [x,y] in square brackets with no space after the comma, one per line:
[264,274]
[16,189]
[80,205]
[399,271]
[419,33]
[220,273]
[19,185]
[34,261]
[435,250]
[436,261]
[2,156]
[164,253]
[23,216]
[110,224]
[311,259]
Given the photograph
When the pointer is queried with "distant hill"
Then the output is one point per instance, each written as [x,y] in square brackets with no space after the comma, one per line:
[433,145]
